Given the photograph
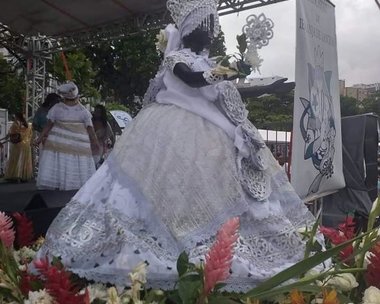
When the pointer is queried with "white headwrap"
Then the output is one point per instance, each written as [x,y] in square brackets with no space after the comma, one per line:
[190,14]
[68,90]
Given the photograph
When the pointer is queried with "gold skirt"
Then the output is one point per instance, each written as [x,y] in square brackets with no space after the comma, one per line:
[19,165]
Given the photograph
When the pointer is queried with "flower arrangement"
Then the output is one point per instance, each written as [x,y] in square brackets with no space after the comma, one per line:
[352,274]
[256,33]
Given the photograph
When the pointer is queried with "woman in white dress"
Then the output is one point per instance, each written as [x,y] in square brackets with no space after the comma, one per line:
[188,162]
[68,138]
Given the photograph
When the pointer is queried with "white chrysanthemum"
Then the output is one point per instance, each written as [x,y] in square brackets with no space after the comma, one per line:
[39,297]
[371,295]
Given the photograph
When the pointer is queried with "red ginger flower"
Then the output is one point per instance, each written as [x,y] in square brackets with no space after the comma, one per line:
[7,233]
[58,284]
[219,258]
[27,281]
[372,275]
[24,229]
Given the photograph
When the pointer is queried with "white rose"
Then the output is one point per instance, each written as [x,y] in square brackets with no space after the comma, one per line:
[344,281]
[162,41]
[371,295]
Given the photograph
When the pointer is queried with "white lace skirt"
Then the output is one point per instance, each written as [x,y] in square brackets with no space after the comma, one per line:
[66,161]
[169,184]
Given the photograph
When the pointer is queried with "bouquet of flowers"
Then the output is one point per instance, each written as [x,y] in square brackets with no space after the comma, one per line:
[256,33]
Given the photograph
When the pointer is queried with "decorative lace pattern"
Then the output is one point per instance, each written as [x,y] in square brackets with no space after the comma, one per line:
[253,177]
[255,182]
[231,103]
[181,56]
[212,78]
[188,15]
[256,145]
[108,227]
[155,85]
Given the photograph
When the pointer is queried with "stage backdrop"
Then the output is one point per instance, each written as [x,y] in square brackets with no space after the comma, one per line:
[317,168]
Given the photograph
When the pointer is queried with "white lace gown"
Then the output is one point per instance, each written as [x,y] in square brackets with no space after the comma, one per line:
[172,180]
[66,161]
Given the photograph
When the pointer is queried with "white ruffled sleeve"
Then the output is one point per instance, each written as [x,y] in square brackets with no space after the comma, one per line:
[177,57]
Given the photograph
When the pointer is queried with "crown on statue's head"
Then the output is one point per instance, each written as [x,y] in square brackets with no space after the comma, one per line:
[190,14]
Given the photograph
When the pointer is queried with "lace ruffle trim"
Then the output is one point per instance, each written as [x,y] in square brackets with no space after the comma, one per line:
[254,176]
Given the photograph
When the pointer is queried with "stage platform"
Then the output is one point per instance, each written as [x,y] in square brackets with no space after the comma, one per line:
[41,206]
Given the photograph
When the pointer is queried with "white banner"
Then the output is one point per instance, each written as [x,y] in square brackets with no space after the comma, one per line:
[317,168]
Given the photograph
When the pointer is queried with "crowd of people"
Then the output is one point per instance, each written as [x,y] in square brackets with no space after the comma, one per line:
[71,142]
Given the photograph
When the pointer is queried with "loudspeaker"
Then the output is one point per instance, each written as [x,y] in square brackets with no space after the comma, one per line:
[36,202]
[44,206]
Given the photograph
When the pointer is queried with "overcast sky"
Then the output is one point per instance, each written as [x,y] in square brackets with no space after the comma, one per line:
[358,35]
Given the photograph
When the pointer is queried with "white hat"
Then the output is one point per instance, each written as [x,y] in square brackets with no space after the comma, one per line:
[189,14]
[68,90]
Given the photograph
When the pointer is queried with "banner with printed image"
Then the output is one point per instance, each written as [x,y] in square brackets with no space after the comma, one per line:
[317,168]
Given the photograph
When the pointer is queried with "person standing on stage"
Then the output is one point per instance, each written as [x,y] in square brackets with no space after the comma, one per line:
[40,118]
[68,140]
[103,133]
[19,166]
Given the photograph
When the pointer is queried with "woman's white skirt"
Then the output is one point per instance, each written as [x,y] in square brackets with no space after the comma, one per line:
[65,162]
[168,186]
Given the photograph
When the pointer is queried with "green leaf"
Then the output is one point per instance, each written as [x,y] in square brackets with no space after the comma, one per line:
[309,244]
[305,284]
[189,288]
[242,43]
[301,267]
[182,263]
[98,301]
[220,299]
[219,286]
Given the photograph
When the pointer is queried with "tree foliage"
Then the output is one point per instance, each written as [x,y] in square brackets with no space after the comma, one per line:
[351,106]
[124,68]
[81,69]
[348,106]
[271,111]
[12,87]
[372,104]
[218,47]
